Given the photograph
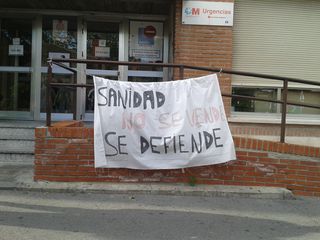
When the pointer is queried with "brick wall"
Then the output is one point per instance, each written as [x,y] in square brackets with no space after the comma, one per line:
[267,129]
[206,46]
[65,154]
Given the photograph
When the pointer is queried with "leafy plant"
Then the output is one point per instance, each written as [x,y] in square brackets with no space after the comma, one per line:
[192,181]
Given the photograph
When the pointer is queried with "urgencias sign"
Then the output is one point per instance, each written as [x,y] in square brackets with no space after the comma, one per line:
[207,13]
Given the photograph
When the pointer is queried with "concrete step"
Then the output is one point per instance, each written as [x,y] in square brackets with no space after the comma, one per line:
[16,159]
[17,146]
[21,124]
[16,143]
[10,133]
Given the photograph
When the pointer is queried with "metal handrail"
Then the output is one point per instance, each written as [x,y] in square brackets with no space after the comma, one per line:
[284,102]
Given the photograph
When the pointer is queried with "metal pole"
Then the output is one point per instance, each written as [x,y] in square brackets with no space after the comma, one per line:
[284,111]
[210,69]
[181,76]
[74,94]
[181,72]
[48,95]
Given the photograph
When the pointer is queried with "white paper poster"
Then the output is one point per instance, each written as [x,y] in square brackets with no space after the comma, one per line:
[16,50]
[102,52]
[16,41]
[160,125]
[60,30]
[146,41]
[102,43]
[59,55]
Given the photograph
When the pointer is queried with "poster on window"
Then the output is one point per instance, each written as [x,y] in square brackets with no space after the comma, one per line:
[102,52]
[160,125]
[59,55]
[15,50]
[146,41]
[60,30]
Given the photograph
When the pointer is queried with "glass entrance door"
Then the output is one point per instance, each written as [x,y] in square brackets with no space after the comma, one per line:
[102,44]
[95,39]
[15,68]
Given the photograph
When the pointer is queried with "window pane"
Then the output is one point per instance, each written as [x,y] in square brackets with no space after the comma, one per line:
[146,46]
[15,33]
[303,96]
[15,91]
[246,105]
[103,44]
[62,98]
[59,38]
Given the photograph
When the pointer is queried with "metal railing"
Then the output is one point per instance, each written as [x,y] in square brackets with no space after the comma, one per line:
[284,102]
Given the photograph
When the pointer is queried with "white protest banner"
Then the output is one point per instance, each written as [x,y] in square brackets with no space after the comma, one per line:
[160,125]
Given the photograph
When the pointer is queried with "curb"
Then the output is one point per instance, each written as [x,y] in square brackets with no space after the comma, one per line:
[24,182]
[160,189]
